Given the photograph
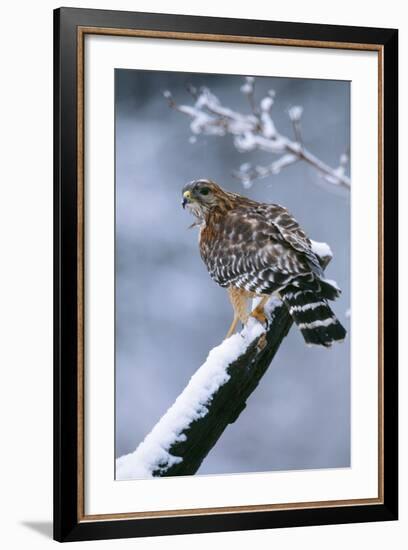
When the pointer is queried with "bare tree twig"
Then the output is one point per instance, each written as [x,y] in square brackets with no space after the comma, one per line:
[256,131]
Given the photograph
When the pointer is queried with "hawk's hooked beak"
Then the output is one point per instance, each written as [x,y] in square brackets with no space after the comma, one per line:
[186,198]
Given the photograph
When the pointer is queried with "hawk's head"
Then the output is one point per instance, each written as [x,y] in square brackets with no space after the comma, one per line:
[200,196]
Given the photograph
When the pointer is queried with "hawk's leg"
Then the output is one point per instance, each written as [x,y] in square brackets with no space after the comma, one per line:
[258,312]
[238,299]
[233,326]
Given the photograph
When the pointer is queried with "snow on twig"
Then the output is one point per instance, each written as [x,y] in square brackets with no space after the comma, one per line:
[256,131]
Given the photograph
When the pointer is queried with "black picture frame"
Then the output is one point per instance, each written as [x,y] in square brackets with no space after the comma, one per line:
[68,525]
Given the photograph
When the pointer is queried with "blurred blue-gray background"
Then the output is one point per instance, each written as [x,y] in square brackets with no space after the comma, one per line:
[169,313]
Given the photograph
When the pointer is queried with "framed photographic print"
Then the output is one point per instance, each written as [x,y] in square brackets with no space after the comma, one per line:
[225,274]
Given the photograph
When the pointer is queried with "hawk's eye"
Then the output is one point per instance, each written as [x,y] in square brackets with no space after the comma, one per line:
[204,191]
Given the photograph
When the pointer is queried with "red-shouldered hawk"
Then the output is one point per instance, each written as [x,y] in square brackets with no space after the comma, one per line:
[256,249]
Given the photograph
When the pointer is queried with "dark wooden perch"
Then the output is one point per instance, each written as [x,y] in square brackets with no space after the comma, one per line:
[227,403]
[230,399]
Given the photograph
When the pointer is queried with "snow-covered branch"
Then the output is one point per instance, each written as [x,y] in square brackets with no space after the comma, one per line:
[256,130]
[195,417]
[214,397]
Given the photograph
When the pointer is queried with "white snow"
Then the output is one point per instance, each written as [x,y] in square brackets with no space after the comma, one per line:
[295,112]
[322,249]
[191,404]
[266,103]
[282,162]
[246,88]
[245,167]
[245,142]
[268,127]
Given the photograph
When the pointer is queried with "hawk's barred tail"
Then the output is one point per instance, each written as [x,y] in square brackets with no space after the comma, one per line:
[313,316]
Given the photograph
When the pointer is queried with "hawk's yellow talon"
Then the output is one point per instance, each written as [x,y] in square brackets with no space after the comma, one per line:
[259,312]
